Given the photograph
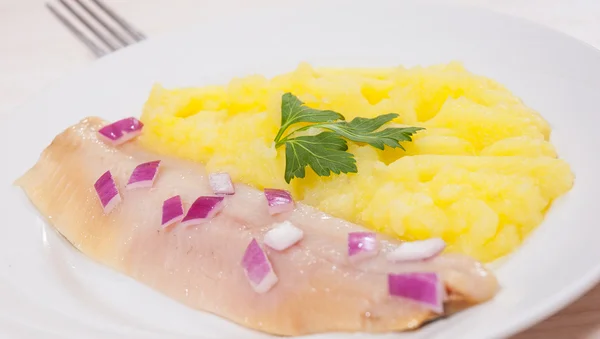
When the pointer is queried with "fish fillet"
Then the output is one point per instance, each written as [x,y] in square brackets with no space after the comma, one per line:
[319,290]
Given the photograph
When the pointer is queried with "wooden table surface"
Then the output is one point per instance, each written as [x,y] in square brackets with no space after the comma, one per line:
[35,51]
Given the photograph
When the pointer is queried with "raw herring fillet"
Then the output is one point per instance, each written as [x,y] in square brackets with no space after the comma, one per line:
[319,290]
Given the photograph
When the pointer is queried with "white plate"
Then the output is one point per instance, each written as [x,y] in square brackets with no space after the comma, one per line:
[49,290]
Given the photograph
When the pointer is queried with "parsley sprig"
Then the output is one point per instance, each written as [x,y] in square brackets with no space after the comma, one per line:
[327,151]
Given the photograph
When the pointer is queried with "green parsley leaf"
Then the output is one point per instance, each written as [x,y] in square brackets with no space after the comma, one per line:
[294,111]
[324,153]
[327,152]
[369,125]
[365,130]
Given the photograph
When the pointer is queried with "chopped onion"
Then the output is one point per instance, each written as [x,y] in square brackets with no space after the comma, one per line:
[172,211]
[107,192]
[143,175]
[362,245]
[417,250]
[426,288]
[202,210]
[221,183]
[283,235]
[280,201]
[258,269]
[121,131]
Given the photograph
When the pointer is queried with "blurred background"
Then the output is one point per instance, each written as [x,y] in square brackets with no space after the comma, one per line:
[36,50]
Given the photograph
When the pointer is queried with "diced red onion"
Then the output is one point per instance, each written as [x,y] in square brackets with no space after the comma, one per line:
[172,211]
[426,288]
[202,210]
[258,268]
[221,183]
[143,175]
[280,201]
[417,250]
[362,245]
[121,131]
[107,192]
[282,236]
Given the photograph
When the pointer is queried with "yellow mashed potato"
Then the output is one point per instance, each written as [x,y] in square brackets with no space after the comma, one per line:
[481,175]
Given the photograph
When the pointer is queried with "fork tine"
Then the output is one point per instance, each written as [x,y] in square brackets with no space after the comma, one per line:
[128,28]
[99,35]
[99,52]
[103,23]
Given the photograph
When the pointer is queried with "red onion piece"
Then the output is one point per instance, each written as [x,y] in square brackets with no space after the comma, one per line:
[202,210]
[417,250]
[172,211]
[221,183]
[107,192]
[280,201]
[258,269]
[143,175]
[121,131]
[283,236]
[362,245]
[423,287]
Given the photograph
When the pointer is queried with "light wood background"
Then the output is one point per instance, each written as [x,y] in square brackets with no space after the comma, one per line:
[35,51]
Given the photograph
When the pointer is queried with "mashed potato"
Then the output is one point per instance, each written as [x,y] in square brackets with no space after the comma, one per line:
[481,175]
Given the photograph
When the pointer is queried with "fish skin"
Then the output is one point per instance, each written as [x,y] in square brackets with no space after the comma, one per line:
[319,290]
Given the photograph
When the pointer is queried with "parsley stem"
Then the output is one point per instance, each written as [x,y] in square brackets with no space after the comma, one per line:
[282,141]
[280,133]
[279,142]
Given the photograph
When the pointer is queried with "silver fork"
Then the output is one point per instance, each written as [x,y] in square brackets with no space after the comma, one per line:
[95,19]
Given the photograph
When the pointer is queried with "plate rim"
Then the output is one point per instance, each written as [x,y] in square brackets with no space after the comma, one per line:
[568,294]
